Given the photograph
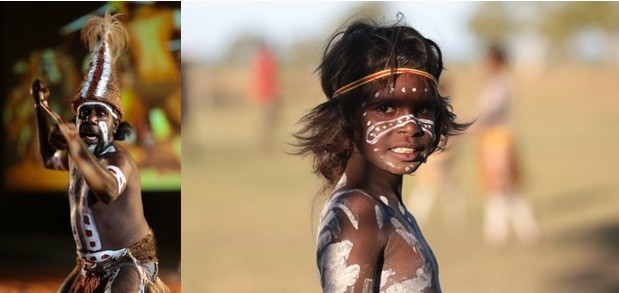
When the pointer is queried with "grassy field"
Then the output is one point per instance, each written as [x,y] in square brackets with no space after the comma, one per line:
[247,215]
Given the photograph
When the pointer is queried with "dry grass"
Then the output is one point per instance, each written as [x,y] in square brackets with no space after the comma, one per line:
[247,223]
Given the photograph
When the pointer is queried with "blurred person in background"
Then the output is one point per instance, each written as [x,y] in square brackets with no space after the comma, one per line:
[382,119]
[438,181]
[264,92]
[505,206]
[115,246]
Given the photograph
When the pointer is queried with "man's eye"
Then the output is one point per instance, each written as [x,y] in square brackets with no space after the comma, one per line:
[101,113]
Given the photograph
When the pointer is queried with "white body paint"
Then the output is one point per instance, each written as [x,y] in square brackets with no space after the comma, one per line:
[382,128]
[120,177]
[418,284]
[338,276]
[83,226]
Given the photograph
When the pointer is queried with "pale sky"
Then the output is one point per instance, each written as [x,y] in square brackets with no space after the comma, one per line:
[209,28]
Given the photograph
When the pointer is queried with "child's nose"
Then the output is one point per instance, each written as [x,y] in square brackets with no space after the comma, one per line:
[412,128]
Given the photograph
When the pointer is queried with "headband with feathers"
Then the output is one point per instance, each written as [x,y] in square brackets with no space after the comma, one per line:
[106,39]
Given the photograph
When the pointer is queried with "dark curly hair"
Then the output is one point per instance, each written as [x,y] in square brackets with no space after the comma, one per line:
[329,130]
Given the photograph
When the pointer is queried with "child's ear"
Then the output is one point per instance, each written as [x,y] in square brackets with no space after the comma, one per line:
[116,123]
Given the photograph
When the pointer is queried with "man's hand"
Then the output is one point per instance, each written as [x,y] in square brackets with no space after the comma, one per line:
[69,131]
[39,92]
[57,139]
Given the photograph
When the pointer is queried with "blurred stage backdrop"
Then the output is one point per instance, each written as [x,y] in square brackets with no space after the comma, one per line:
[43,41]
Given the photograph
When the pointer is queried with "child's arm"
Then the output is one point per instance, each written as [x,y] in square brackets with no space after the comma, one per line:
[52,145]
[350,245]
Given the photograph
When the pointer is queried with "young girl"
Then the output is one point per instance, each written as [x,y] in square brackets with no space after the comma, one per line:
[383,117]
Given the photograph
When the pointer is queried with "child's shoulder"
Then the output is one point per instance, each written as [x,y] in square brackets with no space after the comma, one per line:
[355,201]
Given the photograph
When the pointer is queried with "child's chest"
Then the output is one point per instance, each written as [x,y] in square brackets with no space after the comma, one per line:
[409,263]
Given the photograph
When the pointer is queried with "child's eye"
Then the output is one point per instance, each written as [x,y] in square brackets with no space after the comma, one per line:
[385,109]
[101,113]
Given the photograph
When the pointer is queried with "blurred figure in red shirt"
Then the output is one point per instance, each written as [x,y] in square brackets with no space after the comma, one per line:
[264,92]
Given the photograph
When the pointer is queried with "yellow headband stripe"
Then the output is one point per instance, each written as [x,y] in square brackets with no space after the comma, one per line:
[380,74]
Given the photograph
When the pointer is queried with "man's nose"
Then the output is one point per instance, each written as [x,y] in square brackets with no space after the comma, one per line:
[92,117]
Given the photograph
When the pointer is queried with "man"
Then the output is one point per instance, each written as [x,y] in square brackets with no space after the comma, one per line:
[116,249]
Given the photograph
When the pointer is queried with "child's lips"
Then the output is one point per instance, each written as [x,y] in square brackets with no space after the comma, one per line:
[408,154]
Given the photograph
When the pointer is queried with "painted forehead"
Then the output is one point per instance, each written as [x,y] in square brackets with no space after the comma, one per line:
[406,85]
[97,106]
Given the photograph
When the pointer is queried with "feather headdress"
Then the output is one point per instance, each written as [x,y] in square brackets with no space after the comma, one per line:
[106,39]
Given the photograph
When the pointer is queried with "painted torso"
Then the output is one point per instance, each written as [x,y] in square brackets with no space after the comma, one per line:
[407,262]
[83,226]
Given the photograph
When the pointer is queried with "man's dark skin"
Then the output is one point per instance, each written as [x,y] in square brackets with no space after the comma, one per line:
[115,204]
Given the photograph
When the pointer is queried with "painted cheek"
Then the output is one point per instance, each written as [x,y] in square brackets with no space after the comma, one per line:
[104,132]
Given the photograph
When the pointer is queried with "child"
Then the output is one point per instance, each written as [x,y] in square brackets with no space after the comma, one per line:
[383,117]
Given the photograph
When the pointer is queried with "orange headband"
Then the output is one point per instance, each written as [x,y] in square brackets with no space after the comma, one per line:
[380,74]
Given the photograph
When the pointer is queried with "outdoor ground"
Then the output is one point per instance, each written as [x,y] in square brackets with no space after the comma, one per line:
[248,220]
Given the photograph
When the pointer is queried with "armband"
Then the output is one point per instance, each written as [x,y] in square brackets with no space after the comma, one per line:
[118,174]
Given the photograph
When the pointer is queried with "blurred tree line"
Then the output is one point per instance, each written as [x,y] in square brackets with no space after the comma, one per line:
[559,24]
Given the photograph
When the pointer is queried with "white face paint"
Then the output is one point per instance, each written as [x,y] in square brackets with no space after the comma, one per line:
[380,129]
[104,132]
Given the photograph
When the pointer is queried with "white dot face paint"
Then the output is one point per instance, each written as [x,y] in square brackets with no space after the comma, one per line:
[400,125]
[382,128]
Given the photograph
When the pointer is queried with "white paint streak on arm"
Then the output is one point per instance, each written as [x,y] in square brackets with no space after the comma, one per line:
[379,216]
[348,212]
[337,276]
[418,284]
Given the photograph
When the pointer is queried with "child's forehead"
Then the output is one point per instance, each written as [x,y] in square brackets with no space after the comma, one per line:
[406,86]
